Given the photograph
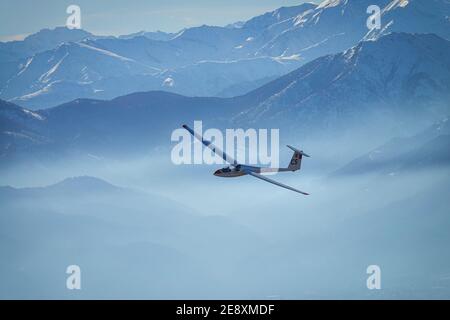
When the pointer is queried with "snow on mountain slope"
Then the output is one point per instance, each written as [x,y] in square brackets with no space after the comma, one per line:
[15,54]
[159,54]
[212,77]
[335,25]
[397,74]
[71,63]
[331,27]
[416,16]
[19,129]
[277,16]
[90,81]
[302,33]
[187,50]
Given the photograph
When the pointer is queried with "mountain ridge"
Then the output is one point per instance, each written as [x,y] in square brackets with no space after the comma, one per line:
[358,89]
[295,35]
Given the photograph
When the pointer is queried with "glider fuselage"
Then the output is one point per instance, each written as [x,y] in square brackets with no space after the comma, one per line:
[241,170]
[229,173]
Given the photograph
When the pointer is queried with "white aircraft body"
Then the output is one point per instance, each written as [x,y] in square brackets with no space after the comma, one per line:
[236,170]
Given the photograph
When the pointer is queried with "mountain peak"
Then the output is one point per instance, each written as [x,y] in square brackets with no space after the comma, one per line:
[49,38]
[58,32]
[278,15]
[85,184]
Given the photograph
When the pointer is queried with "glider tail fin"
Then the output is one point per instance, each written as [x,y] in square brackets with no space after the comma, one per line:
[296,160]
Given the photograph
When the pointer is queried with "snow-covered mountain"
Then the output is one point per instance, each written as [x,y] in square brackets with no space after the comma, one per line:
[379,87]
[206,51]
[76,66]
[46,39]
[109,67]
[336,25]
[204,60]
[14,54]
[220,78]
[397,76]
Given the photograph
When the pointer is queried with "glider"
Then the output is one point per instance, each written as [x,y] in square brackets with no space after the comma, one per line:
[236,170]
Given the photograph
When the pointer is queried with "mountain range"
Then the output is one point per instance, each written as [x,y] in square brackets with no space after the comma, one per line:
[60,65]
[396,82]
[403,74]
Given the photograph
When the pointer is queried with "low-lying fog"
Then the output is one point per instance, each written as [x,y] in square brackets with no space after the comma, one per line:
[179,232]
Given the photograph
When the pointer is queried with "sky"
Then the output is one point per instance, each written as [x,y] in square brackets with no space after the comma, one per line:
[19,18]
